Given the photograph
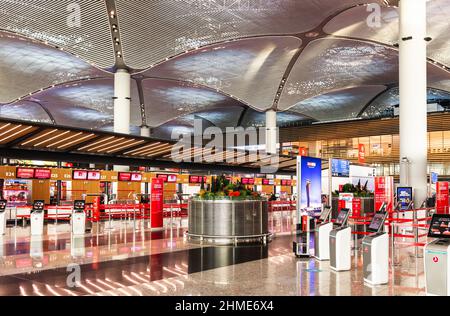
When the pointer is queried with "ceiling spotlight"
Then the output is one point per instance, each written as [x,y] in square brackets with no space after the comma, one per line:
[112,14]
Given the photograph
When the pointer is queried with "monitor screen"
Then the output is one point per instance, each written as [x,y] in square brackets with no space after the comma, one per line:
[325,213]
[162,176]
[377,222]
[79,175]
[79,205]
[38,205]
[136,177]
[3,205]
[41,173]
[93,175]
[440,226]
[266,181]
[124,176]
[172,178]
[25,173]
[340,168]
[342,217]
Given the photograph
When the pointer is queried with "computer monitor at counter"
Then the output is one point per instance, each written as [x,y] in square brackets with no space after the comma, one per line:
[440,226]
[377,222]
[341,219]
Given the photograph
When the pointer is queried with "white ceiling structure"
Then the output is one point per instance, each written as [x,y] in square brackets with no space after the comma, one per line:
[224,61]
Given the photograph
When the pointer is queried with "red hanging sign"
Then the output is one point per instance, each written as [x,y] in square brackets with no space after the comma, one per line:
[156,217]
[361,153]
[96,209]
[302,151]
[384,192]
[356,207]
[442,197]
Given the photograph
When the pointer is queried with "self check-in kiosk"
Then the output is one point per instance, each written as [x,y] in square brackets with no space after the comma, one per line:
[79,217]
[436,256]
[37,218]
[341,243]
[376,251]
[3,217]
[322,235]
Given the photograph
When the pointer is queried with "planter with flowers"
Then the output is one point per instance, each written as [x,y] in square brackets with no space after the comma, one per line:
[227,213]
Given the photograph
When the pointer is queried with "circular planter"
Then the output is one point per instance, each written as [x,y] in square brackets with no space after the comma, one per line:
[228,221]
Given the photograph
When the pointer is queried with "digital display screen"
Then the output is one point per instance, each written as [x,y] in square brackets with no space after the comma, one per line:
[267,181]
[40,173]
[136,177]
[3,205]
[169,178]
[286,182]
[440,226]
[340,168]
[248,181]
[342,217]
[197,179]
[93,175]
[25,173]
[377,222]
[79,205]
[79,175]
[124,176]
[172,178]
[38,205]
[325,213]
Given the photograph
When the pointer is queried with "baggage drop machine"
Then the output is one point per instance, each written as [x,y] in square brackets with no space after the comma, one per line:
[436,256]
[37,218]
[376,251]
[322,235]
[79,217]
[341,243]
[3,204]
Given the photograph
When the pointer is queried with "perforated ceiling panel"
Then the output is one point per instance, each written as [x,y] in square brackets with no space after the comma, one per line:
[166,100]
[169,27]
[390,98]
[25,110]
[250,69]
[86,105]
[27,66]
[331,64]
[56,22]
[353,23]
[338,105]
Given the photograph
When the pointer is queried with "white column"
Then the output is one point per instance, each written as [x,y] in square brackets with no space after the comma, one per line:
[413,96]
[271,132]
[145,131]
[122,100]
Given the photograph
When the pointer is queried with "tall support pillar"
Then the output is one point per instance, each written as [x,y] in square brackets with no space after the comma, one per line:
[145,131]
[413,97]
[122,105]
[271,132]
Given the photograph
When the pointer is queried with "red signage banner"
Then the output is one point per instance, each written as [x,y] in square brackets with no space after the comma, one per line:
[384,192]
[93,175]
[157,201]
[361,153]
[40,173]
[25,173]
[79,175]
[442,197]
[302,151]
[356,207]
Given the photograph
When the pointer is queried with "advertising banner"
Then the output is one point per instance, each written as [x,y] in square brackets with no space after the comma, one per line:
[361,153]
[404,197]
[442,197]
[384,192]
[347,198]
[309,185]
[356,207]
[156,217]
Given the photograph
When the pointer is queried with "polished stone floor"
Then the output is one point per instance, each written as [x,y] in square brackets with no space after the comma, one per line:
[129,259]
